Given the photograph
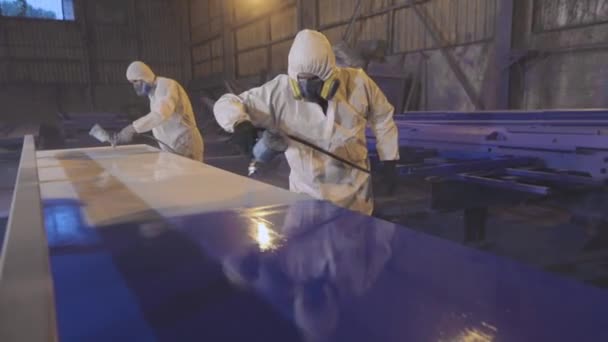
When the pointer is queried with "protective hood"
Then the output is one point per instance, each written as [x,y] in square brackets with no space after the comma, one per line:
[311,53]
[139,71]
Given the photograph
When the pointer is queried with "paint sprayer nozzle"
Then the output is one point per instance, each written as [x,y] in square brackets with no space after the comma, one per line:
[101,134]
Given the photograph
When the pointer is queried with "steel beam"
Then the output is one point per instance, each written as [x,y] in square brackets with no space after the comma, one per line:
[552,177]
[453,168]
[505,185]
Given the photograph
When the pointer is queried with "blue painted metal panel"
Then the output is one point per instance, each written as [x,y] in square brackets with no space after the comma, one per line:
[453,168]
[274,274]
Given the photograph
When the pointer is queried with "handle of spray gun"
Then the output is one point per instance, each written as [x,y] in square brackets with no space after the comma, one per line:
[158,141]
[113,142]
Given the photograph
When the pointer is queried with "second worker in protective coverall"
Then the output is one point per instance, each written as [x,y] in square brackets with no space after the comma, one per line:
[327,106]
[171,118]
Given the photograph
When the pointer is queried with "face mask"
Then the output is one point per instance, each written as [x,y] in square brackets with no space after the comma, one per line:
[142,88]
[311,88]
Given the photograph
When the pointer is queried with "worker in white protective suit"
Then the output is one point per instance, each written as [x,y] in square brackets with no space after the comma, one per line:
[171,118]
[327,106]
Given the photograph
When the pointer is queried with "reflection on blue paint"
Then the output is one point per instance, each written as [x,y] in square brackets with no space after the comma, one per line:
[65,224]
[337,276]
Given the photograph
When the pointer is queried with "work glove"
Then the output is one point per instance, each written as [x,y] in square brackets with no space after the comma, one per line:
[125,136]
[389,176]
[244,137]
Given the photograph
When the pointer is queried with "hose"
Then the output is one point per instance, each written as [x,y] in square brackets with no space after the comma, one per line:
[158,141]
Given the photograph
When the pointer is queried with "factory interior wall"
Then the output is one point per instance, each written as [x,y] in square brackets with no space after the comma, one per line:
[50,66]
[248,41]
[566,64]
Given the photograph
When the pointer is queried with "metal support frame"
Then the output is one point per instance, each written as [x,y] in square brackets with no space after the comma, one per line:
[453,168]
[552,177]
[437,37]
[27,305]
[505,184]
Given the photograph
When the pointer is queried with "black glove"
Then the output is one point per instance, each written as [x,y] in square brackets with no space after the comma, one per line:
[389,176]
[244,137]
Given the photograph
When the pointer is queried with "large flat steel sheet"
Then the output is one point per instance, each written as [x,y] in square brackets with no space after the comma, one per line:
[146,246]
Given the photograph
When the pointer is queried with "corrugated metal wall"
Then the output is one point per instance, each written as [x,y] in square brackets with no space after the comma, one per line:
[87,58]
[206,22]
[29,55]
[564,14]
[262,32]
[571,71]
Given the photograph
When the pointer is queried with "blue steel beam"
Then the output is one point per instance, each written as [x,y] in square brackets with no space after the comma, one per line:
[505,184]
[453,168]
[574,141]
[560,178]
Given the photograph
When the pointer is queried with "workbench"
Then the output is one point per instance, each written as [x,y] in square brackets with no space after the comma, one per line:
[136,244]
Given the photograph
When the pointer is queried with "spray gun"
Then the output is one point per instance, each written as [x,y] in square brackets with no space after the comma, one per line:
[266,149]
[274,143]
[103,136]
